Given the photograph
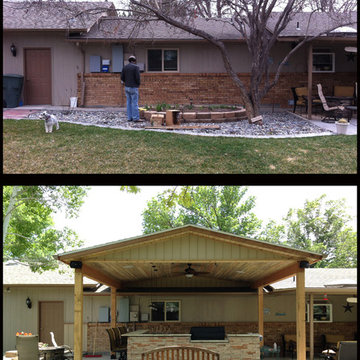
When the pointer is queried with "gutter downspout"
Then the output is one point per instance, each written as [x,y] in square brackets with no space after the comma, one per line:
[82,78]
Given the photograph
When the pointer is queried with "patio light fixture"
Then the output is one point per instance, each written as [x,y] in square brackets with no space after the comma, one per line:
[13,49]
[189,275]
[28,303]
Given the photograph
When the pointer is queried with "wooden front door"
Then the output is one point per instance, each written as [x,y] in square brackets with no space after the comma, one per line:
[51,318]
[37,88]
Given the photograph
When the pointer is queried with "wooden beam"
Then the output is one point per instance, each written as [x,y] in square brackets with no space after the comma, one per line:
[310,80]
[97,275]
[78,314]
[261,313]
[311,318]
[113,307]
[277,276]
[300,315]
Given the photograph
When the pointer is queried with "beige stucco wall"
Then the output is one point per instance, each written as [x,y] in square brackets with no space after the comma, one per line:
[66,60]
[212,308]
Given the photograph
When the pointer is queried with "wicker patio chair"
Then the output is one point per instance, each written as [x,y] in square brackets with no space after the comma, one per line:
[118,343]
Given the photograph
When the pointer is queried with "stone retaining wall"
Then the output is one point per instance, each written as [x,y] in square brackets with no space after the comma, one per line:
[105,89]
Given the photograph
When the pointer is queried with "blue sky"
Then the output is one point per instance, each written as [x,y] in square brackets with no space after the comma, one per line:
[109,214]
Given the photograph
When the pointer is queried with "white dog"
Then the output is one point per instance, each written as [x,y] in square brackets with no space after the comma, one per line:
[50,121]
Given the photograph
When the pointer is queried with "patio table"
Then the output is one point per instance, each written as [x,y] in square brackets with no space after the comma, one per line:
[52,353]
[340,100]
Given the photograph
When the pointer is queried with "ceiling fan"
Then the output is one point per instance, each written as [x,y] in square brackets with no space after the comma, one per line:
[190,272]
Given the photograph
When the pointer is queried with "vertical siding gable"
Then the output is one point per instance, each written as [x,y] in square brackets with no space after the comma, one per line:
[188,247]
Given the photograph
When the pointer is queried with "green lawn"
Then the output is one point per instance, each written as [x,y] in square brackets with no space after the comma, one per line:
[77,149]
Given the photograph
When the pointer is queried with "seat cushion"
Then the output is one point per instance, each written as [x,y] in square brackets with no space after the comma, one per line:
[300,92]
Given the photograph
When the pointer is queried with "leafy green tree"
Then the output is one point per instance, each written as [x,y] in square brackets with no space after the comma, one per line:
[222,208]
[28,228]
[321,226]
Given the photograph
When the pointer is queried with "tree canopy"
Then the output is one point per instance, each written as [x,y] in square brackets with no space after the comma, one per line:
[322,226]
[222,208]
[28,228]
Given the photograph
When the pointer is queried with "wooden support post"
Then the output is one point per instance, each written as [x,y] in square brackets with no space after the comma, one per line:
[311,317]
[310,80]
[300,315]
[261,313]
[78,314]
[113,307]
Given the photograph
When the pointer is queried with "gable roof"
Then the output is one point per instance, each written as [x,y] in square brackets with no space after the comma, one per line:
[15,273]
[221,255]
[122,28]
[53,15]
[322,278]
[313,23]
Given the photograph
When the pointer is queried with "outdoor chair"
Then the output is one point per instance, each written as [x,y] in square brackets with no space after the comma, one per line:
[299,94]
[348,91]
[118,343]
[180,353]
[334,111]
[347,350]
[289,344]
[68,353]
[331,341]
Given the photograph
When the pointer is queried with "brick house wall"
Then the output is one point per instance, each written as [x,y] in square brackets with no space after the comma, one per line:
[272,330]
[105,89]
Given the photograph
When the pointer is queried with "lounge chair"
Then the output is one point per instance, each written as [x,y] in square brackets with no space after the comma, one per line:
[68,353]
[333,112]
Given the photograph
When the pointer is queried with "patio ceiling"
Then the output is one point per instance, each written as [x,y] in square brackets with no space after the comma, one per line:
[220,260]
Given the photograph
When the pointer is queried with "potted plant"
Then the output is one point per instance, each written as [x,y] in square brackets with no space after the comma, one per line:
[341,126]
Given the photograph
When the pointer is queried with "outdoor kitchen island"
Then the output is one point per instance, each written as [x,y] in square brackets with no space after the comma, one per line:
[233,347]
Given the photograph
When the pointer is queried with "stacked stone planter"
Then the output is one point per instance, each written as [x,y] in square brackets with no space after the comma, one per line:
[201,117]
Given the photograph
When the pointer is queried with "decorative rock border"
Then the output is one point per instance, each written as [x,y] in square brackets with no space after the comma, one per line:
[198,116]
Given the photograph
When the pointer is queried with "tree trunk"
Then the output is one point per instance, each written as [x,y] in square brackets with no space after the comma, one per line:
[12,201]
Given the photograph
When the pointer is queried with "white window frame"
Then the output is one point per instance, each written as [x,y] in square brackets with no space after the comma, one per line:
[162,60]
[333,62]
[166,301]
[320,321]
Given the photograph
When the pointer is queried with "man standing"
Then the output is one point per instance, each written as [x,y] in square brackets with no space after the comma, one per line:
[130,75]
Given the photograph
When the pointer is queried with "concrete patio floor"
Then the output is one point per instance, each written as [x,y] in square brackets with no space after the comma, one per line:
[22,112]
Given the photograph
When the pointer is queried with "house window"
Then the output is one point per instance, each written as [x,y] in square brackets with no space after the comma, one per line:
[322,313]
[323,62]
[165,310]
[163,60]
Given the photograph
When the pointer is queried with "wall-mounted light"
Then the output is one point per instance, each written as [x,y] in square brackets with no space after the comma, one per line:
[13,49]
[28,303]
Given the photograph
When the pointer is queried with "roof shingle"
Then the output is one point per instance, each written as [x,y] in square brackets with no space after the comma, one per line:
[53,15]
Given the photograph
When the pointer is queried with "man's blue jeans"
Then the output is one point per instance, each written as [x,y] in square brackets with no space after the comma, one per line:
[132,97]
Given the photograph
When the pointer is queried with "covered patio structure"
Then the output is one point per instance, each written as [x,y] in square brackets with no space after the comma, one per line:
[219,263]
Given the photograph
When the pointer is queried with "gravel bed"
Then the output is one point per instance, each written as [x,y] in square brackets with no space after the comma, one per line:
[280,124]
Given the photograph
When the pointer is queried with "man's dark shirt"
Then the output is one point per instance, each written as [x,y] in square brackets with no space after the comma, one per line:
[131,75]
